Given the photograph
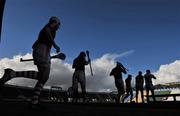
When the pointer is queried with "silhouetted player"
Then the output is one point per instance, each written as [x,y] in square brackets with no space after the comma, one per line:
[149,85]
[117,73]
[41,56]
[139,86]
[129,88]
[79,76]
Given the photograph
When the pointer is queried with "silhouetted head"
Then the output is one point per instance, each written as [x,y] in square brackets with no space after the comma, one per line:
[148,71]
[54,22]
[118,64]
[130,77]
[140,73]
[82,54]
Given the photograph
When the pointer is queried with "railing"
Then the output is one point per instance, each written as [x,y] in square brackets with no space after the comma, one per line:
[54,92]
[164,95]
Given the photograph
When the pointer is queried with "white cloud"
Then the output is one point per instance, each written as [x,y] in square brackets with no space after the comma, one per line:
[16,65]
[168,73]
[127,53]
[61,72]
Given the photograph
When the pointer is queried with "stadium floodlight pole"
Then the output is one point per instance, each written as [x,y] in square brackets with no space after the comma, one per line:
[87,52]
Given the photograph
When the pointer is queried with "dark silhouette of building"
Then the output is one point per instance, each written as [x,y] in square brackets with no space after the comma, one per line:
[2,4]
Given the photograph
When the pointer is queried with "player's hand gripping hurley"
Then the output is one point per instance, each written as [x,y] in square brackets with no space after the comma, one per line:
[87,52]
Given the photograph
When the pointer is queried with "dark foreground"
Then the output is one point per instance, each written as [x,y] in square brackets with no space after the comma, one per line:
[20,108]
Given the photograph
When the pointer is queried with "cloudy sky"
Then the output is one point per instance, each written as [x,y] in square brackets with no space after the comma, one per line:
[142,34]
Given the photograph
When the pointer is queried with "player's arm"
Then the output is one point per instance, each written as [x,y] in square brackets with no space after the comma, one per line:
[51,40]
[154,77]
[124,71]
[86,62]
[73,66]
[111,73]
[142,79]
